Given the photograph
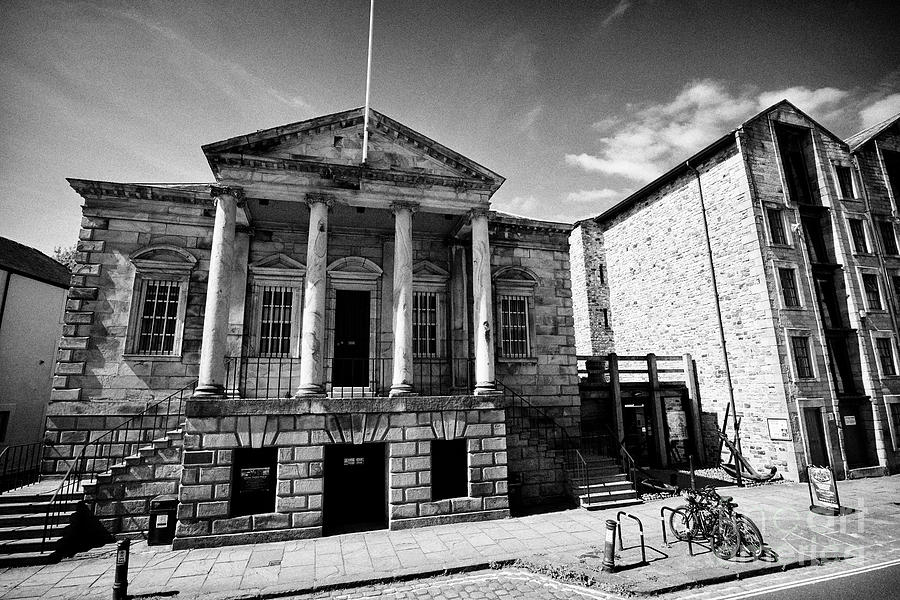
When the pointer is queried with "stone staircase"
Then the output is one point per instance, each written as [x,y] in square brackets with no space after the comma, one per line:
[121,496]
[23,515]
[601,485]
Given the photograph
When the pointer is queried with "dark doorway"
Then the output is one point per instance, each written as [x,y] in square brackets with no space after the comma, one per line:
[355,495]
[449,469]
[253,481]
[638,431]
[815,436]
[351,339]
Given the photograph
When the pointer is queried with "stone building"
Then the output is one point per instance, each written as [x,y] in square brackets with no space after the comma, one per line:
[771,257]
[356,329]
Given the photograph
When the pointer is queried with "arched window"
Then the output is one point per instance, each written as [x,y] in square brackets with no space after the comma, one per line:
[159,300]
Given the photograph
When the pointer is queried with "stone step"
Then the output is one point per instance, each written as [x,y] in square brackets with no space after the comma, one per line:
[609,504]
[863,472]
[27,559]
[22,531]
[26,508]
[613,486]
[33,498]
[597,495]
[23,520]
[28,545]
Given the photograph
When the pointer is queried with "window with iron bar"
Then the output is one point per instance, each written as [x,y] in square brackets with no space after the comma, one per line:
[425,324]
[159,316]
[873,294]
[275,320]
[802,359]
[514,341]
[789,288]
[885,356]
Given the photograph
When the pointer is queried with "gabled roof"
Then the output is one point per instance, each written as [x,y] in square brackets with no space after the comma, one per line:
[269,143]
[709,150]
[28,262]
[863,137]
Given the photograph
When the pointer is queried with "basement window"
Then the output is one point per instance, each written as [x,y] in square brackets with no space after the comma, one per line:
[253,481]
[449,469]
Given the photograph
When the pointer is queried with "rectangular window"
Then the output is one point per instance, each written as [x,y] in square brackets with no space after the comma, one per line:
[275,320]
[845,181]
[789,287]
[425,324]
[858,234]
[602,273]
[776,226]
[885,356]
[802,359]
[4,424]
[253,481]
[895,280]
[514,326]
[605,313]
[873,294]
[159,316]
[887,237]
[449,469]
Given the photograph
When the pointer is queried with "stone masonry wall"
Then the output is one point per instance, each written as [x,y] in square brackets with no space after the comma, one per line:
[301,429]
[590,293]
[96,385]
[660,288]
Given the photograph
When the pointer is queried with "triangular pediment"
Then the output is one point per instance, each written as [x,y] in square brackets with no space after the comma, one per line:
[424,269]
[337,140]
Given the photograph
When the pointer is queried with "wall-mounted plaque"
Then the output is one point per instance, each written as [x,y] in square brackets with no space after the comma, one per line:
[779,430]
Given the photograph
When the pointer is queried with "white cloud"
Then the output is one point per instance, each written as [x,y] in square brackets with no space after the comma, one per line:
[648,139]
[880,110]
[617,12]
[592,195]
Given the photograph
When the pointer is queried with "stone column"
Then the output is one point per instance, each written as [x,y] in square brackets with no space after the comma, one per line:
[483,315]
[401,384]
[312,342]
[215,318]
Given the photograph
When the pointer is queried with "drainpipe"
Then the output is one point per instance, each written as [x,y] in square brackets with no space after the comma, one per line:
[880,445]
[721,324]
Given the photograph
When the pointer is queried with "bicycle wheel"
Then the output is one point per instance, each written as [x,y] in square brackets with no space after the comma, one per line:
[682,523]
[751,538]
[726,539]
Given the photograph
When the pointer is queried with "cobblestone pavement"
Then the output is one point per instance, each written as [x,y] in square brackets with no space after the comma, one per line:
[501,584]
[566,541]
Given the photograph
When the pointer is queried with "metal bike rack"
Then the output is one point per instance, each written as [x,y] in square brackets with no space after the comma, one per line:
[662,523]
[640,529]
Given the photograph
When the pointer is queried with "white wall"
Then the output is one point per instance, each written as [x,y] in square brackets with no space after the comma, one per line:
[29,332]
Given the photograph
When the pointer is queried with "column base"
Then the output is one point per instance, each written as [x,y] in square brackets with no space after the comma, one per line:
[209,391]
[402,389]
[310,390]
[487,389]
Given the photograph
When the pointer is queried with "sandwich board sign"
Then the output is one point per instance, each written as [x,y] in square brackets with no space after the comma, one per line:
[823,493]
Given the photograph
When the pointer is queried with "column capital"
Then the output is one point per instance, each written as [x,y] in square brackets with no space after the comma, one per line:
[478,212]
[225,190]
[399,205]
[315,198]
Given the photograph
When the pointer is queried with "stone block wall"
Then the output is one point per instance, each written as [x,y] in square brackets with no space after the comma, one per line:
[302,429]
[660,288]
[590,292]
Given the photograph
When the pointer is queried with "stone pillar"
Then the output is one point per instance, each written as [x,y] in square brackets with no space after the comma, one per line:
[483,315]
[312,342]
[218,289]
[401,384]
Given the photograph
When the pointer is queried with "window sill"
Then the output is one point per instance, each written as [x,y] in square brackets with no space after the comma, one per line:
[784,246]
[156,357]
[794,308]
[524,359]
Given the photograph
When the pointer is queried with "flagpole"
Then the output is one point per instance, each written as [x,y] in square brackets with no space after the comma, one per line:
[365,148]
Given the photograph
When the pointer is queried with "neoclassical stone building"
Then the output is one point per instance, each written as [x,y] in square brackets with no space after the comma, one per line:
[771,256]
[351,327]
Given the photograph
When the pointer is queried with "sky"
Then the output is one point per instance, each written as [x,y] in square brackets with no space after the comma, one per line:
[577,104]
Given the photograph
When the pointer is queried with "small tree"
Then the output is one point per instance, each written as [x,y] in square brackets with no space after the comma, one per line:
[66,255]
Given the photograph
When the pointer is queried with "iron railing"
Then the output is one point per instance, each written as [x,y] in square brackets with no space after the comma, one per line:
[112,446]
[279,377]
[20,465]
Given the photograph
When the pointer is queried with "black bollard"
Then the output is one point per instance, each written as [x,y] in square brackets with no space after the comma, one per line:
[691,462]
[609,548]
[120,585]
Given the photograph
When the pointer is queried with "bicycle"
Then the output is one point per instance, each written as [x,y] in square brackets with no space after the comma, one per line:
[705,516]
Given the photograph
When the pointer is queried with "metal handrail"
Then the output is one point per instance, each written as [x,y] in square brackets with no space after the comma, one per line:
[20,465]
[78,468]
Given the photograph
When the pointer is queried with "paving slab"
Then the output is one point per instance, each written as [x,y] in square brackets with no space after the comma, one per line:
[568,541]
